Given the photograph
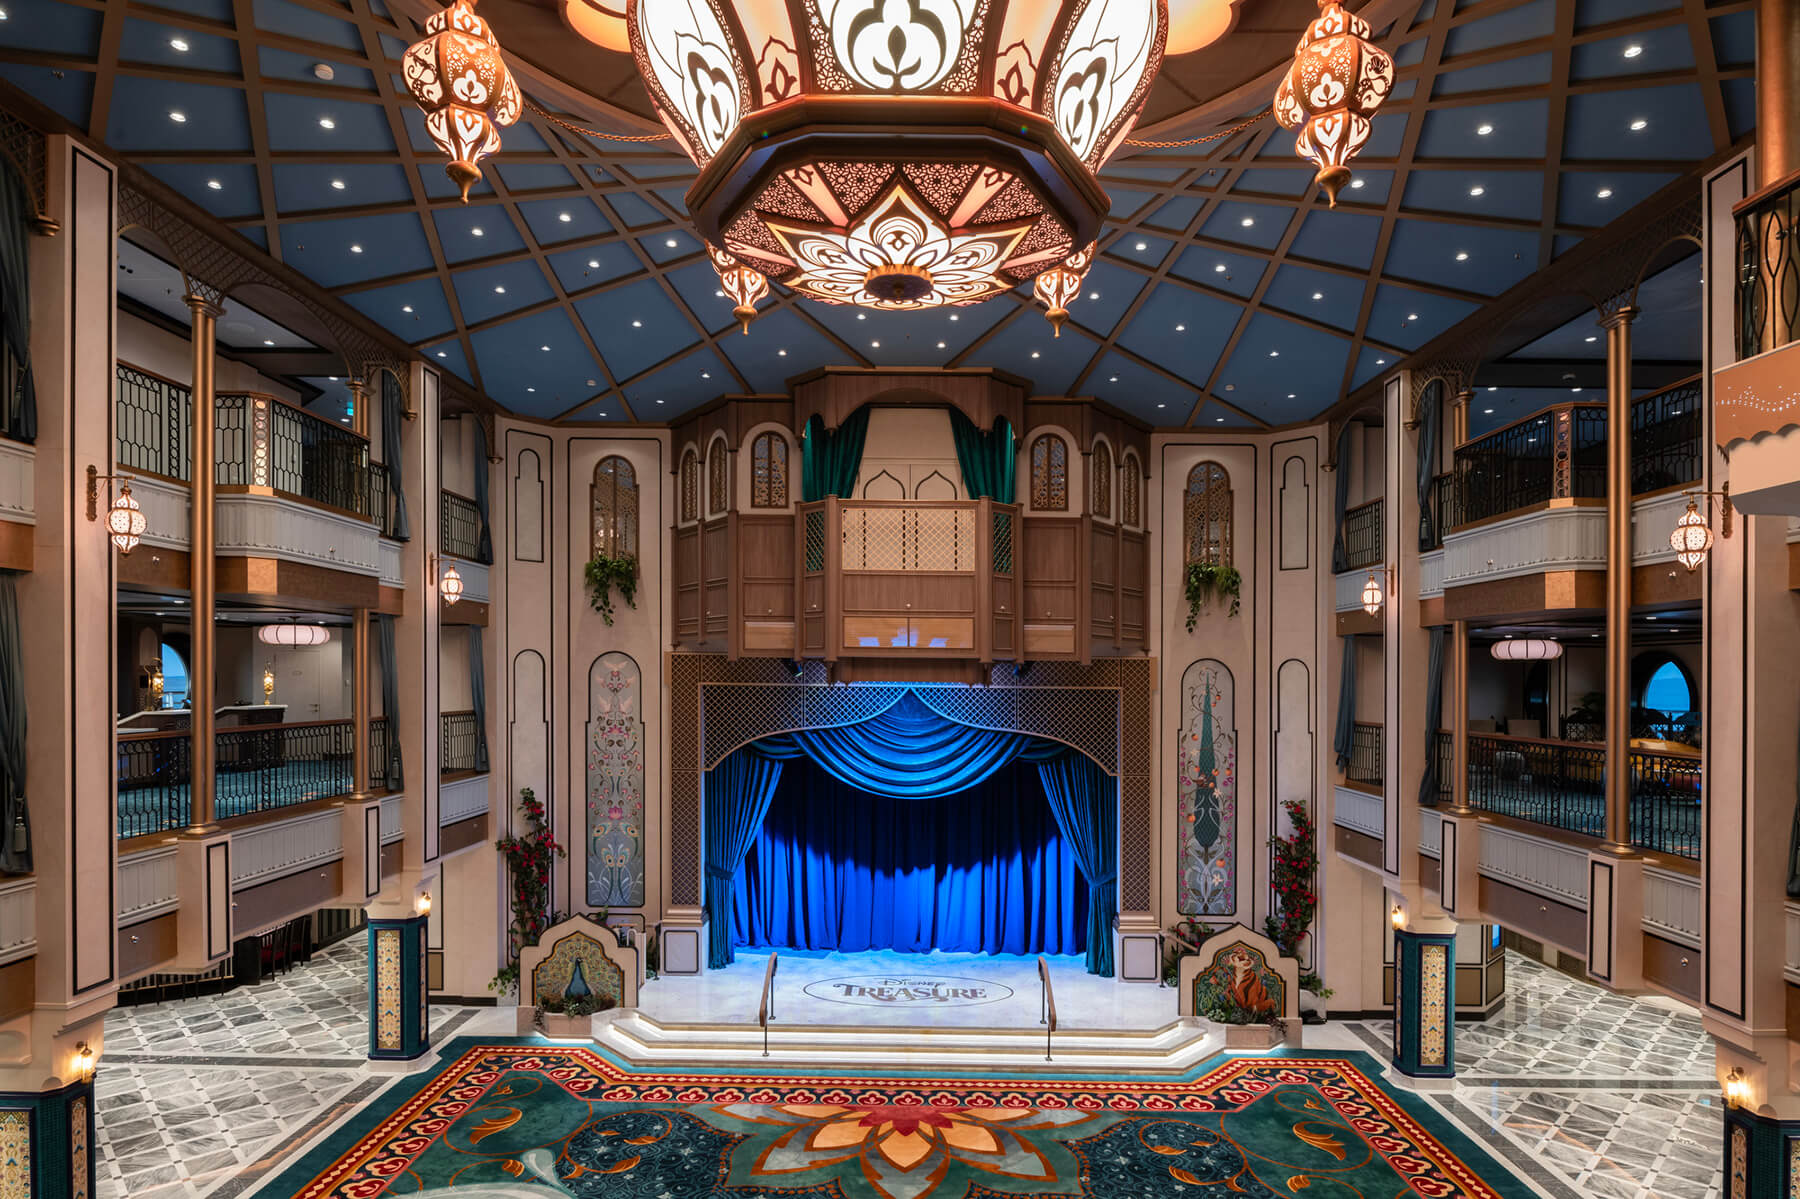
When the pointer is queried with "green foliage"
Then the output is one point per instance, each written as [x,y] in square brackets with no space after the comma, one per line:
[1311,982]
[604,575]
[1194,933]
[528,860]
[1294,865]
[1206,582]
[1223,1009]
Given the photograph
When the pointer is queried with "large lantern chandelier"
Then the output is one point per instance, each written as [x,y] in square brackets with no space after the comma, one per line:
[1330,93]
[461,83]
[898,154]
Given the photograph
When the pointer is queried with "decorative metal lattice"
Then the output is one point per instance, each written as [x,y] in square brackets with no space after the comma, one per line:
[1103,481]
[1003,543]
[893,538]
[718,497]
[613,531]
[1131,492]
[769,471]
[815,540]
[1206,516]
[690,487]
[1050,474]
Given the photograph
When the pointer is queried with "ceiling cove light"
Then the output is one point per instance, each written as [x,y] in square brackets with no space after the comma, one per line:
[456,74]
[1330,93]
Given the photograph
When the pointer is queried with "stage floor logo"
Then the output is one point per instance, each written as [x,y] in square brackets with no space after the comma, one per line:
[908,991]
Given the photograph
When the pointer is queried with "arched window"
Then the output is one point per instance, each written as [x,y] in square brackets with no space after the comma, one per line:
[613,532]
[1665,699]
[1050,474]
[1131,493]
[1207,515]
[717,500]
[175,677]
[690,487]
[1103,480]
[768,471]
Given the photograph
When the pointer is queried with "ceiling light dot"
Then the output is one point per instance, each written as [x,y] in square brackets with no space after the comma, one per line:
[1484,129]
[1595,337]
[671,243]
[1318,295]
[268,341]
[499,291]
[564,217]
[1142,246]
[593,264]
[355,249]
[1219,269]
[875,345]
[1290,395]
[1114,379]
[637,324]
[1181,328]
[1356,183]
[1487,412]
[1381,362]
[1604,193]
[327,123]
[337,185]
[545,349]
[862,316]
[1093,295]
[1633,50]
[706,374]
[1462,256]
[1274,353]
[179,117]
[531,389]
[940,345]
[1639,125]
[1035,354]
[1162,405]
[1477,190]
[1493,389]
[1412,316]
[1247,221]
[178,44]
[441,354]
[215,184]
[781,353]
[1219,420]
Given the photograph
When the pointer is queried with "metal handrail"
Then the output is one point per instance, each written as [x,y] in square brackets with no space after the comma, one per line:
[1047,1009]
[1363,535]
[765,1011]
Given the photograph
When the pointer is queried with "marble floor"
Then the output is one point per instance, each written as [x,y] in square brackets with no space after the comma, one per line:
[1581,1092]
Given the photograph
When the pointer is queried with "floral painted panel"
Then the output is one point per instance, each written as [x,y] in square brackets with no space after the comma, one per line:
[387,988]
[615,783]
[15,1154]
[1434,996]
[1206,793]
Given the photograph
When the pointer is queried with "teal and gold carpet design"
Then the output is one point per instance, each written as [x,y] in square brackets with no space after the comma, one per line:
[530,1120]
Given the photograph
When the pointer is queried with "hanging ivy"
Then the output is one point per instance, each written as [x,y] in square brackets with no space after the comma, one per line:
[605,575]
[1207,582]
[528,859]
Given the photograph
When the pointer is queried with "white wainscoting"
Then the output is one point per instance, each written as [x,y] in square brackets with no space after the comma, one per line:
[1358,810]
[1652,520]
[270,527]
[272,850]
[462,799]
[1672,906]
[1431,833]
[1349,590]
[1535,864]
[391,829]
[474,577]
[167,511]
[148,885]
[1431,574]
[18,920]
[393,562]
[1555,539]
[18,483]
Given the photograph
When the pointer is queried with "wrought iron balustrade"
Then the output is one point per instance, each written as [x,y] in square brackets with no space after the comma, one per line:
[459,526]
[1444,746]
[1365,766]
[153,419]
[1445,511]
[458,738]
[1665,437]
[257,769]
[378,755]
[1364,539]
[1767,292]
[384,505]
[154,770]
[12,397]
[1550,455]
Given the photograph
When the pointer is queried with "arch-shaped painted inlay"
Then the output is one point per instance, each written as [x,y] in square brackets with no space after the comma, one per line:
[615,783]
[1206,808]
[1295,506]
[528,507]
[528,732]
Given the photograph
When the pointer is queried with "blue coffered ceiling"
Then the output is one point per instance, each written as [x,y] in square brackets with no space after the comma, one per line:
[1226,294]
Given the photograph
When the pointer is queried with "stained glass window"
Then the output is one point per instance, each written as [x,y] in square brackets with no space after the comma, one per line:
[690,487]
[614,529]
[1207,515]
[1103,480]
[1131,490]
[1050,474]
[717,500]
[768,471]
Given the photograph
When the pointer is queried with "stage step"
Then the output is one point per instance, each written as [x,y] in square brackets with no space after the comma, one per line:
[644,1040]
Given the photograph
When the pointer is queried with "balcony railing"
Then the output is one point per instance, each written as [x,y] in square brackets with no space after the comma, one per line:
[258,769]
[1363,536]
[459,526]
[1665,437]
[378,755]
[1364,769]
[1444,745]
[1767,300]
[458,737]
[261,443]
[383,504]
[1444,508]
[1562,784]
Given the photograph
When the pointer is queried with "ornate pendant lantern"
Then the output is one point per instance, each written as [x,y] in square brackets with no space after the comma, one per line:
[1691,538]
[743,284]
[898,156]
[1371,596]
[460,81]
[1060,286]
[1330,93]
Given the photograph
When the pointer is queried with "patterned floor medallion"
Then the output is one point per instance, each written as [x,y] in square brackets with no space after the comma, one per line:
[514,1120]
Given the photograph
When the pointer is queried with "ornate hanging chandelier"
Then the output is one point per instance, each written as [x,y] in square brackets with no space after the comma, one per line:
[461,83]
[898,155]
[1330,93]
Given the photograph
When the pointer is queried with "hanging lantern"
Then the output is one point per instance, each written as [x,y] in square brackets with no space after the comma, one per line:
[1371,595]
[300,635]
[268,684]
[747,286]
[461,82]
[1060,286]
[1330,93]
[125,522]
[1691,537]
[1527,649]
[451,585]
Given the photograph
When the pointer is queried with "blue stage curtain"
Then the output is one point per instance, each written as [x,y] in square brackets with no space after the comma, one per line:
[908,752]
[984,870]
[1085,802]
[738,791]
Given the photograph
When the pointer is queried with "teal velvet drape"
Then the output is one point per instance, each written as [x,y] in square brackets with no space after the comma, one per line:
[18,411]
[738,791]
[1085,803]
[988,460]
[830,461]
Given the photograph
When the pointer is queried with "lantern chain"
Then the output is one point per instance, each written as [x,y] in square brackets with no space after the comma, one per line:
[1146,144]
[572,127]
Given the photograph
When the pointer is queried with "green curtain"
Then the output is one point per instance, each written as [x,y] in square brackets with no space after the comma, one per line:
[18,411]
[988,460]
[830,461]
[15,819]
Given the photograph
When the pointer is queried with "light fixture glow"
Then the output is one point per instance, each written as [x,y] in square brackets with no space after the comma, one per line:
[214,184]
[450,586]
[1639,125]
[178,44]
[1484,130]
[1398,917]
[1331,92]
[179,117]
[462,84]
[337,185]
[301,635]
[1477,190]
[327,123]
[1691,538]
[1372,597]
[1604,193]
[1527,649]
[1633,50]
[1737,1089]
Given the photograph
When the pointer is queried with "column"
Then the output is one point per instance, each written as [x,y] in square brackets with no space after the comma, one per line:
[66,624]
[359,703]
[399,1006]
[1406,647]
[203,471]
[1459,827]
[1424,995]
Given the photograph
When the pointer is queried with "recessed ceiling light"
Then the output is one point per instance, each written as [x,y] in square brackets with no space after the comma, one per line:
[327,123]
[355,249]
[781,353]
[593,264]
[1487,412]
[660,401]
[1633,50]
[1218,420]
[1594,337]
[1181,328]
[1274,353]
[1493,389]
[499,291]
[1247,221]
[178,44]
[1093,295]
[406,308]
[1649,618]
[1035,354]
[1412,316]
[862,316]
[1143,246]
[563,216]
[1162,405]
[1219,269]
[214,184]
[268,341]
[1484,130]
[1462,256]
[1318,295]
[531,389]
[1604,193]
[1639,125]
[545,349]
[337,185]
[476,231]
[874,345]
[671,243]
[637,324]
[1290,395]
[940,345]
[954,317]
[1477,190]
[1381,362]
[179,117]
[1114,379]
[440,353]
[706,374]
[1355,183]
[1576,390]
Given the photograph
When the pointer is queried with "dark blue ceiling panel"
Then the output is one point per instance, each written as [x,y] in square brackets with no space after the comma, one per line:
[256,235]
[1533,69]
[696,379]
[1734,39]
[211,10]
[1335,236]
[162,45]
[1027,347]
[476,231]
[415,312]
[1329,299]
[698,286]
[1259,225]
[448,355]
[1140,249]
[308,188]
[533,176]
[1106,293]
[1592,13]
[236,195]
[300,68]
[1149,395]
[1515,129]
[1410,54]
[1400,317]
[1221,270]
[334,253]
[1596,198]
[1513,194]
[1177,214]
[1182,331]
[69,94]
[1366,187]
[1370,364]
[162,114]
[1276,357]
[1431,252]
[1596,121]
[1740,106]
[517,368]
[1519,24]
[589,266]
[781,344]
[667,247]
[1217,418]
[634,210]
[51,27]
[636,326]
[1124,203]
[909,338]
[306,24]
[488,292]
[343,126]
[1653,51]
[1274,181]
[556,221]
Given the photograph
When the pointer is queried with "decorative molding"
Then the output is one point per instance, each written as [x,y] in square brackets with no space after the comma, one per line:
[1651,522]
[263,526]
[18,920]
[1552,539]
[148,885]
[393,562]
[1431,574]
[168,511]
[462,798]
[1358,811]
[18,483]
[284,846]
[1535,864]
[1431,833]
[391,828]
[1672,906]
[1349,588]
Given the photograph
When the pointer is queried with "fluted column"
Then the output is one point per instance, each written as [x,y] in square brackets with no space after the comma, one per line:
[203,472]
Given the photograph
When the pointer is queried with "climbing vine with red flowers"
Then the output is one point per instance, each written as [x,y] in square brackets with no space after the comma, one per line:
[528,860]
[1293,875]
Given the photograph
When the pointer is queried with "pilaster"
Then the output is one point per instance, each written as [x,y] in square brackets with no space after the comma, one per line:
[1425,999]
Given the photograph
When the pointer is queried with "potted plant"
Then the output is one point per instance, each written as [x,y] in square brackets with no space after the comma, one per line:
[528,858]
[606,574]
[1294,865]
[1207,581]
[569,1019]
[1244,1028]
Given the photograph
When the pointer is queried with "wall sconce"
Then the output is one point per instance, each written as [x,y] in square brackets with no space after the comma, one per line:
[1398,916]
[125,522]
[1737,1089]
[85,1061]
[449,583]
[156,687]
[1372,595]
[422,905]
[268,683]
[1692,536]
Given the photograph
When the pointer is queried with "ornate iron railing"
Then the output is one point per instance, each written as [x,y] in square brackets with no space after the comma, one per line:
[1444,745]
[276,766]
[1363,537]
[1562,784]
[1445,510]
[12,396]
[153,774]
[1665,802]
[1556,454]
[378,755]
[152,421]
[1767,300]
[459,526]
[458,736]
[383,505]
[1365,766]
[1665,437]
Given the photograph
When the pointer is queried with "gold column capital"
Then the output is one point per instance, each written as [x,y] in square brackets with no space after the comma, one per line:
[1624,314]
[204,305]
